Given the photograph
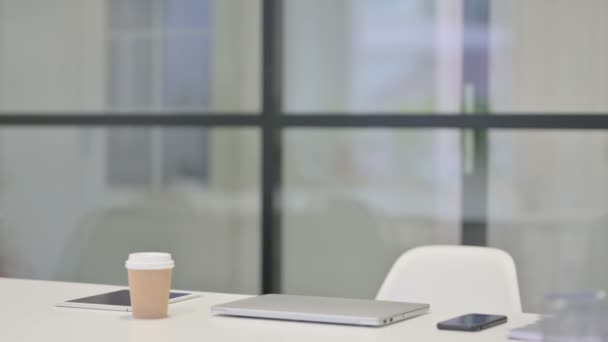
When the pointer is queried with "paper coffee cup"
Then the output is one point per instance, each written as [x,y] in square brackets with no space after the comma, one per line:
[150,283]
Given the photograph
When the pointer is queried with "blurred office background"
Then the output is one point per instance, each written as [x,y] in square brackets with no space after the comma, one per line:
[74,201]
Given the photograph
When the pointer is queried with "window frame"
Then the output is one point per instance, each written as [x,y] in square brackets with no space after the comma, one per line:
[272,121]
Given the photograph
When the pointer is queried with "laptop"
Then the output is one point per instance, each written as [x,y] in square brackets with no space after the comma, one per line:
[322,309]
[530,332]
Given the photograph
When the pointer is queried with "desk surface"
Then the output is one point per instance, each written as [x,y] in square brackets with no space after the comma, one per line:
[27,314]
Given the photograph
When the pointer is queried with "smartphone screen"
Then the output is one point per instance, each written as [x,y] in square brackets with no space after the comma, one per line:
[472,322]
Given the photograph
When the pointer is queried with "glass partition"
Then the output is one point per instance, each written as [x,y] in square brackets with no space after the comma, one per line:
[548,208]
[75,201]
[354,200]
[152,56]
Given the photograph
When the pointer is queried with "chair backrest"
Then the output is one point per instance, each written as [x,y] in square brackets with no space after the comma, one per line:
[455,279]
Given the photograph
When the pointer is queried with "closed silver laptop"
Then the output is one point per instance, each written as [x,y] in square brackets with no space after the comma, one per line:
[322,309]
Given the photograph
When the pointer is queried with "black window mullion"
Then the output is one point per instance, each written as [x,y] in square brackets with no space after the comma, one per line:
[578,121]
[271,145]
[475,83]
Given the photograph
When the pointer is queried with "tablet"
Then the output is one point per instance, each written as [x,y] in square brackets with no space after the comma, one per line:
[118,300]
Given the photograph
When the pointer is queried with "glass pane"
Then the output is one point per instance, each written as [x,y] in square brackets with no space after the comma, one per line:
[549,56]
[548,200]
[122,169]
[369,194]
[372,56]
[197,196]
[130,55]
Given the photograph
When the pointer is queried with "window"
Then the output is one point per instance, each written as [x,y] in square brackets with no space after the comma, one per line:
[159,59]
[291,129]
[110,187]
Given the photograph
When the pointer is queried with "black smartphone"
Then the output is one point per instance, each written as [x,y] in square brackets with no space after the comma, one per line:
[472,322]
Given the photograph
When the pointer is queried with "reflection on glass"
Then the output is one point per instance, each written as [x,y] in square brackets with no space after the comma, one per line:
[159,54]
[368,55]
[130,55]
[74,203]
[355,200]
[548,194]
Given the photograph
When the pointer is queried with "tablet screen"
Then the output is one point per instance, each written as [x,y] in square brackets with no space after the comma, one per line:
[120,298]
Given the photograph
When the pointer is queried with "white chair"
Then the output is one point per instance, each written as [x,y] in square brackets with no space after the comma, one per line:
[455,279]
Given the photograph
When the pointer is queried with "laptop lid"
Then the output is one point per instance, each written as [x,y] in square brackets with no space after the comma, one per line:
[322,309]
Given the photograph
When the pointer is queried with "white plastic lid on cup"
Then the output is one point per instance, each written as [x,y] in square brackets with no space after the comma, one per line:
[149,261]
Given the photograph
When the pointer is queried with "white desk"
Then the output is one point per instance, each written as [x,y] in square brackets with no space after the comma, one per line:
[27,314]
